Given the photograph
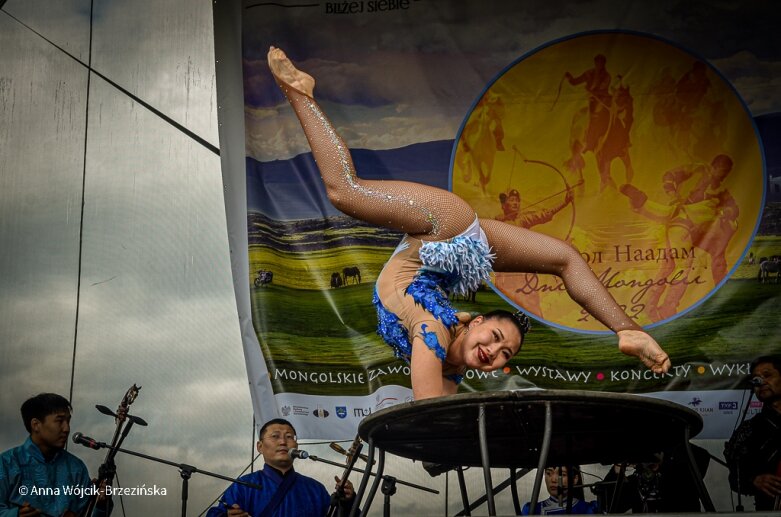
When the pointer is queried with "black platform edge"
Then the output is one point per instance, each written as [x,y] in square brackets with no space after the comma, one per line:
[721,514]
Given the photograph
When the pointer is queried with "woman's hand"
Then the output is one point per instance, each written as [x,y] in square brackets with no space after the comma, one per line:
[464,317]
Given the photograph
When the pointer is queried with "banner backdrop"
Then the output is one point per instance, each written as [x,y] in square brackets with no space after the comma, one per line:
[643,136]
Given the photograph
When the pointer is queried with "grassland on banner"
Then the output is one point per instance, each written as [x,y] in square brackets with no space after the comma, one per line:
[314,269]
[764,246]
[334,331]
[304,325]
[305,254]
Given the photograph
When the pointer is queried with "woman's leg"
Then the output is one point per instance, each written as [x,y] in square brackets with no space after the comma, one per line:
[520,250]
[422,211]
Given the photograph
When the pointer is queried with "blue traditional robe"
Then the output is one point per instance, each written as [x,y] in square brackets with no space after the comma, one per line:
[551,506]
[306,498]
[50,486]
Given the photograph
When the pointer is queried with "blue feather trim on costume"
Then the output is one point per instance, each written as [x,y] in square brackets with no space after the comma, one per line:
[390,329]
[467,261]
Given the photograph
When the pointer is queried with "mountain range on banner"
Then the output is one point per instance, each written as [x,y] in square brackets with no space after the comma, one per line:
[292,189]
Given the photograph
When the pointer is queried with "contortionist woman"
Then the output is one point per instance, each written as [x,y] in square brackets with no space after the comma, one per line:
[447,249]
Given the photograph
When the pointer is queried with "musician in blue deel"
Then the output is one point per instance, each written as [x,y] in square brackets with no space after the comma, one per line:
[284,492]
[754,450]
[557,482]
[41,478]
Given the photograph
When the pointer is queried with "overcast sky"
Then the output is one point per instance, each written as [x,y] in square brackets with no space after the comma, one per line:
[156,302]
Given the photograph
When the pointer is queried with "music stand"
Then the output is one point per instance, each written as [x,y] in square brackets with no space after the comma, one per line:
[530,429]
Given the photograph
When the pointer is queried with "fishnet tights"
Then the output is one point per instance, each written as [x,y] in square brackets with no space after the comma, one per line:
[520,250]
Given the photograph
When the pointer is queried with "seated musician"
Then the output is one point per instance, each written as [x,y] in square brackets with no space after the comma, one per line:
[285,492]
[40,477]
[557,482]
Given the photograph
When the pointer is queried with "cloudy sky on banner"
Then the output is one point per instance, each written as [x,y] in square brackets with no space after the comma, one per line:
[391,83]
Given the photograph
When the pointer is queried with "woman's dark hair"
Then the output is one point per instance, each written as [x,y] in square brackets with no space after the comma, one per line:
[41,406]
[519,319]
[578,490]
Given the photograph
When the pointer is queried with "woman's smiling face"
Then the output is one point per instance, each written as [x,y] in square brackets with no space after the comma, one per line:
[488,344]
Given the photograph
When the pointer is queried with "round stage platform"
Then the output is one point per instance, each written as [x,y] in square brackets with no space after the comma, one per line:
[587,427]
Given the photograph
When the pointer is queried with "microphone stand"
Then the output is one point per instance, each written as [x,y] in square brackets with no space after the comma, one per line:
[389,482]
[748,405]
[739,507]
[185,471]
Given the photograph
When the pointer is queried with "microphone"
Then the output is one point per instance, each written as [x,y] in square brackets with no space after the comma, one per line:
[756,381]
[298,453]
[86,441]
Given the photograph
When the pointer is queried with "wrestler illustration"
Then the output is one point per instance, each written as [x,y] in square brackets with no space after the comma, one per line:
[701,213]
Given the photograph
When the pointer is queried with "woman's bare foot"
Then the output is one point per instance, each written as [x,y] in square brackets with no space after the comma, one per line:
[639,344]
[284,71]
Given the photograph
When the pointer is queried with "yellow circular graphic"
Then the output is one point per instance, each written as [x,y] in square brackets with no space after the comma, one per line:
[638,154]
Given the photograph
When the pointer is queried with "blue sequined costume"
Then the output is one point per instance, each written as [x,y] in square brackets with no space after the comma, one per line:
[411,295]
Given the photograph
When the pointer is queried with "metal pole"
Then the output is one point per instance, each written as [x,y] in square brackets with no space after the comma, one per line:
[543,462]
[489,486]
[464,496]
[376,484]
[695,472]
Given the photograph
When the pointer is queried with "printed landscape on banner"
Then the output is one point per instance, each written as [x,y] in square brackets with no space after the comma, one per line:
[647,152]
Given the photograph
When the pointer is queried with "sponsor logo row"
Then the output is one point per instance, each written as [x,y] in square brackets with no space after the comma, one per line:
[325,411]
[724,406]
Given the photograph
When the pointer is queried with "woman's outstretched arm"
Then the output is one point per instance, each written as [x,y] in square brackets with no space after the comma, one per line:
[426,373]
[520,250]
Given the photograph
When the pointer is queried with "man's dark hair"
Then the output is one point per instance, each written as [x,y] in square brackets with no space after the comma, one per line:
[41,406]
[775,360]
[280,421]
